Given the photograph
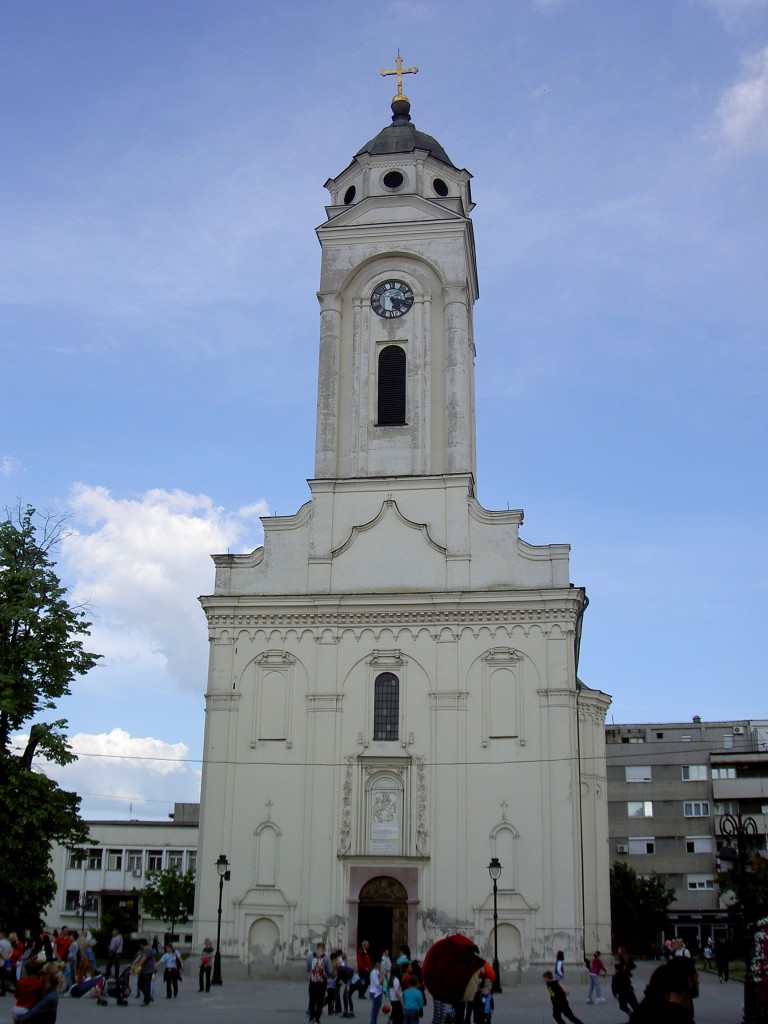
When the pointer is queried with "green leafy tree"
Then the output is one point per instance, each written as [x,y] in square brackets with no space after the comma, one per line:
[747,897]
[169,896]
[41,653]
[639,906]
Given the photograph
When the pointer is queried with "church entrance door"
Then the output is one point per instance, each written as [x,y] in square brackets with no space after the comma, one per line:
[382,916]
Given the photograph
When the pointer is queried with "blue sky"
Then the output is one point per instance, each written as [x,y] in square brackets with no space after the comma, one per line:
[161,180]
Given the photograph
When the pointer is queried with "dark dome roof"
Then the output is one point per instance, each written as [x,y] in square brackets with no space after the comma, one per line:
[402,137]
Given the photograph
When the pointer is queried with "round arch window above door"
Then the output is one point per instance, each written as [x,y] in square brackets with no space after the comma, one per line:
[383,890]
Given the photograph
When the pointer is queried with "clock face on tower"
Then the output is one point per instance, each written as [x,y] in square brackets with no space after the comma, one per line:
[391,299]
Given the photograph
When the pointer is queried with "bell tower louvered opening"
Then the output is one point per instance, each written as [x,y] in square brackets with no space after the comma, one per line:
[391,405]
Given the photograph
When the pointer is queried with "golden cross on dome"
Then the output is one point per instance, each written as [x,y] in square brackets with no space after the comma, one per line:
[399,70]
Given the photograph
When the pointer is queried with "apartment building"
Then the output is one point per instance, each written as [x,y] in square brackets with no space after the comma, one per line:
[669,785]
[110,872]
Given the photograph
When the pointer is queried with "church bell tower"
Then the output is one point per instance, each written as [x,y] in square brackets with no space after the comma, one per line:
[398,284]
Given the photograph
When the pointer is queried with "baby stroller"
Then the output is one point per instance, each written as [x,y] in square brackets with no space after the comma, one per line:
[120,987]
[92,987]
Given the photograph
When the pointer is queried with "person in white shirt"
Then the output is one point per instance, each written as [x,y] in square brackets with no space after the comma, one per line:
[375,993]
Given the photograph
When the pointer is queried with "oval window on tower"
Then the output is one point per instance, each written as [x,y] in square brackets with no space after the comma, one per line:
[393,179]
[349,195]
[441,189]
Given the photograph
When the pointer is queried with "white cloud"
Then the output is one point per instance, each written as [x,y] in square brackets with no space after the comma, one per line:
[734,11]
[140,564]
[119,775]
[9,465]
[741,116]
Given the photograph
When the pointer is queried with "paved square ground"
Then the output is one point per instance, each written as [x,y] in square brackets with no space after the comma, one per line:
[280,1000]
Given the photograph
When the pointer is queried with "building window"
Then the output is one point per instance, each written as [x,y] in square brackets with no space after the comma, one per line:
[386,706]
[114,860]
[698,844]
[696,808]
[726,807]
[701,882]
[633,739]
[154,860]
[638,773]
[728,741]
[134,860]
[640,808]
[391,409]
[642,845]
[192,860]
[694,772]
[176,859]
[94,860]
[77,858]
[723,773]
[72,901]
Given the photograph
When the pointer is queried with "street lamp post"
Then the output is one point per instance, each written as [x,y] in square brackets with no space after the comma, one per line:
[735,826]
[222,866]
[494,870]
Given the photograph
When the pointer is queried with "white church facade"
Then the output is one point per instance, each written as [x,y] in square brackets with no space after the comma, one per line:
[392,693]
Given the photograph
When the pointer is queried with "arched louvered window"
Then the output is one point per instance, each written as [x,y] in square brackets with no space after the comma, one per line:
[391,386]
[386,706]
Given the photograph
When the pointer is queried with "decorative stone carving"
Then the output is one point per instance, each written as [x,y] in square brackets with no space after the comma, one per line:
[422,834]
[345,831]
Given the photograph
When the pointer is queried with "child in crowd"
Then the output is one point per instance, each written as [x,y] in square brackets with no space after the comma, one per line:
[487,1003]
[559,997]
[413,1001]
[29,988]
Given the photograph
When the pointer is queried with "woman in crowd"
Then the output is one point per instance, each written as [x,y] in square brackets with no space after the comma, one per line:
[45,1009]
[171,970]
[375,993]
[396,995]
[206,955]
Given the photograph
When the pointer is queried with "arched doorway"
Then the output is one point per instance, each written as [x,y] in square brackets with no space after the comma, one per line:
[382,916]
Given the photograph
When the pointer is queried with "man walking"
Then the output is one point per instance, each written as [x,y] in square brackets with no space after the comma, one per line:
[363,968]
[114,952]
[144,963]
[319,969]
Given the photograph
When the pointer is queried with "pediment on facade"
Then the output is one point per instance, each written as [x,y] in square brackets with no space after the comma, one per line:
[380,210]
[510,900]
[390,552]
[264,896]
[389,507]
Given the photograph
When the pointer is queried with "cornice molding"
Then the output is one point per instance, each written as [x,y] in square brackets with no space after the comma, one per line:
[422,617]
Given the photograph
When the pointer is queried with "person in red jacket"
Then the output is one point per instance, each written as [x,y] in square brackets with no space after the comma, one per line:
[62,942]
[363,968]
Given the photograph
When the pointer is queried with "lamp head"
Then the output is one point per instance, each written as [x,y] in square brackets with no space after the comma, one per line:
[222,865]
[494,868]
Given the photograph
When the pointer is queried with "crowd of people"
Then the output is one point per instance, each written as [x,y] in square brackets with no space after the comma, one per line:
[668,997]
[397,988]
[36,970]
[393,988]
